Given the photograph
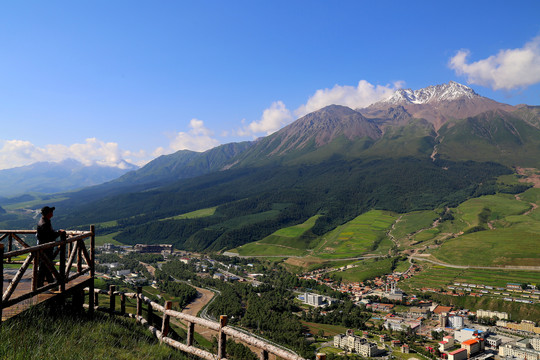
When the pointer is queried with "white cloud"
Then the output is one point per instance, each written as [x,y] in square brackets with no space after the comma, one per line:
[273,118]
[14,153]
[198,138]
[509,69]
[277,115]
[354,97]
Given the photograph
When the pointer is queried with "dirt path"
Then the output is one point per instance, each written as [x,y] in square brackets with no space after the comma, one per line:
[203,297]
[531,176]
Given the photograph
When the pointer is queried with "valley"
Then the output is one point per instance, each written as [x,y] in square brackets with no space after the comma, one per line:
[433,194]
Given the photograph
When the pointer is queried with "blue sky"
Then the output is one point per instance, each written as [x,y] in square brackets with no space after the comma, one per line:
[106,81]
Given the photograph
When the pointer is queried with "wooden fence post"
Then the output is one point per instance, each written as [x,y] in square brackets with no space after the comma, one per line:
[222,338]
[190,333]
[150,314]
[122,303]
[35,270]
[166,319]
[92,295]
[63,238]
[10,245]
[112,299]
[1,280]
[139,301]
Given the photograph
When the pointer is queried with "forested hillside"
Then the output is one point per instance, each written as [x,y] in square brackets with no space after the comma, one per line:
[253,203]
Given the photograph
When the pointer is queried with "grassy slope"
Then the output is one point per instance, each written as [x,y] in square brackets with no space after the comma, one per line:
[366,269]
[286,241]
[46,335]
[358,236]
[512,241]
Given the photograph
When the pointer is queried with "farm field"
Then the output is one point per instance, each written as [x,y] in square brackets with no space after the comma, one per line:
[329,330]
[286,241]
[194,214]
[510,238]
[364,234]
[365,270]
[434,276]
[414,221]
[510,246]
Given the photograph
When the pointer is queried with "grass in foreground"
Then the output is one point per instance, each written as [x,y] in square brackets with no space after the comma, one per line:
[44,334]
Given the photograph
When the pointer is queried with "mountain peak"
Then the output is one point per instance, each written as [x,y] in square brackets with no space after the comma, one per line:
[431,94]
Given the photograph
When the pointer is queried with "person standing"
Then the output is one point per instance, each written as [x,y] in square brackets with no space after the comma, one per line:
[46,234]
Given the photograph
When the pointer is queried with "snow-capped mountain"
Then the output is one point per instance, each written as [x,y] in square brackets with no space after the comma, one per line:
[430,94]
[437,104]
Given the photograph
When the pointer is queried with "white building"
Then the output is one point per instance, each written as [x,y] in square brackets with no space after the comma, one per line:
[535,343]
[357,344]
[456,322]
[518,352]
[492,314]
[313,299]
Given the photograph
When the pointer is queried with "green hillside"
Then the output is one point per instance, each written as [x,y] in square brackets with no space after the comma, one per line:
[290,241]
[364,234]
[47,335]
[505,231]
[492,136]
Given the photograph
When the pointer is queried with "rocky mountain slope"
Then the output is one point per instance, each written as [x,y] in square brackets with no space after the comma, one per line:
[437,104]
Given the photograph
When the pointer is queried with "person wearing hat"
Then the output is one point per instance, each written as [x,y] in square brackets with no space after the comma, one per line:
[46,234]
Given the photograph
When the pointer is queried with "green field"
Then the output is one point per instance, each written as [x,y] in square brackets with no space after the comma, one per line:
[194,214]
[498,247]
[287,241]
[329,330]
[365,270]
[414,221]
[104,239]
[434,276]
[364,234]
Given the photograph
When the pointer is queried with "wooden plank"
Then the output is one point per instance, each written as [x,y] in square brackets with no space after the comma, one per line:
[16,237]
[26,299]
[15,281]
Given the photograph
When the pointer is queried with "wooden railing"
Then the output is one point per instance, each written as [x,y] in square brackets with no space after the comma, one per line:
[78,257]
[166,313]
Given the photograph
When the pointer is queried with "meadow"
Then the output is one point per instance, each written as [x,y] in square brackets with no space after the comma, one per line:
[362,235]
[365,270]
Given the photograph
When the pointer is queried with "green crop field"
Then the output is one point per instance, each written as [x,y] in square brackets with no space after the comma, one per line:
[194,214]
[287,241]
[104,239]
[260,249]
[414,221]
[498,247]
[365,270]
[364,234]
[434,276]
[500,205]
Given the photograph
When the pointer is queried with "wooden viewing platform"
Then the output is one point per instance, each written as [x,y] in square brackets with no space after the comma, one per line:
[19,278]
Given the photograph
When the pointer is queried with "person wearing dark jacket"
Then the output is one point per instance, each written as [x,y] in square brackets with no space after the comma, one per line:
[46,234]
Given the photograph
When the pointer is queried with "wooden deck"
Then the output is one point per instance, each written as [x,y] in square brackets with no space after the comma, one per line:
[73,270]
[25,286]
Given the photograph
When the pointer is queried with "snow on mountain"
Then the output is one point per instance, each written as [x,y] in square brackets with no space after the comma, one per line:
[430,94]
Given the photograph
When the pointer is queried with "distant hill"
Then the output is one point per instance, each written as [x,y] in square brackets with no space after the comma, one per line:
[48,177]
